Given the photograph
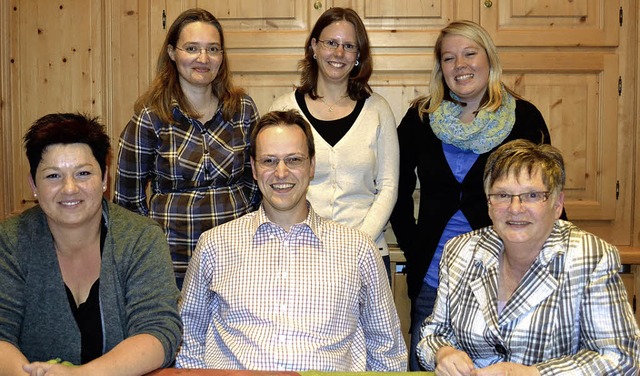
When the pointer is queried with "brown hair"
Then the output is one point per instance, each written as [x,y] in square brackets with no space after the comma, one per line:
[166,85]
[66,128]
[522,155]
[358,87]
[289,118]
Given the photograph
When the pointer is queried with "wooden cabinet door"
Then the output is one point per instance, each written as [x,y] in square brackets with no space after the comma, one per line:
[55,66]
[577,95]
[552,22]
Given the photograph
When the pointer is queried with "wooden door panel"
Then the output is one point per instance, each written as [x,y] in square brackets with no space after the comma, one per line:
[56,52]
[579,104]
[409,23]
[552,22]
[262,23]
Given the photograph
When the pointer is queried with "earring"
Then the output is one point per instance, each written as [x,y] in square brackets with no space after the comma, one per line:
[104,188]
[35,195]
[314,57]
[357,63]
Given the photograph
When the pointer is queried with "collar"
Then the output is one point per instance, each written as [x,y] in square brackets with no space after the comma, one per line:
[260,221]
[490,246]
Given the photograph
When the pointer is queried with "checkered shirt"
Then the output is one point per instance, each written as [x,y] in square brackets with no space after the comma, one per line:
[314,298]
[568,316]
[200,174]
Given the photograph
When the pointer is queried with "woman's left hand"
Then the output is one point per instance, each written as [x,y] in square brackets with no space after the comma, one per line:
[506,369]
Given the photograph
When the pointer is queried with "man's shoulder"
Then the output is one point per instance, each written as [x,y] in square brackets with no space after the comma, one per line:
[331,230]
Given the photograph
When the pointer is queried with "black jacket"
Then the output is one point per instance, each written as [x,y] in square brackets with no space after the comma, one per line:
[441,195]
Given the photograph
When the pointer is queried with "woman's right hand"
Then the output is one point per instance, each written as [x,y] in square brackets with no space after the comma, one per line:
[452,362]
[51,369]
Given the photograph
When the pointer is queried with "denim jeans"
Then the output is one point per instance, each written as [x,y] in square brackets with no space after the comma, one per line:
[421,308]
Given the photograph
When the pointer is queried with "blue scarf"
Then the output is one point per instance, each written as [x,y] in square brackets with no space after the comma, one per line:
[486,131]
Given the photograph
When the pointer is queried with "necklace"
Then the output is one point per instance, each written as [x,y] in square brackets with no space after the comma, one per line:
[330,106]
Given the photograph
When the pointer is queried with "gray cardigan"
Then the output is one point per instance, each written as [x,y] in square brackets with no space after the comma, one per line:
[138,293]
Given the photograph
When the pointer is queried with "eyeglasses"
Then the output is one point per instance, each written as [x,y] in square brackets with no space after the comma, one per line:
[293,162]
[333,45]
[196,50]
[527,198]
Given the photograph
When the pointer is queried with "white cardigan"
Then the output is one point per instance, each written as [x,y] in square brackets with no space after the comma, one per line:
[356,181]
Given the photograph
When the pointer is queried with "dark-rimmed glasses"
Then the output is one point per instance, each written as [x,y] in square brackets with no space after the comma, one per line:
[526,198]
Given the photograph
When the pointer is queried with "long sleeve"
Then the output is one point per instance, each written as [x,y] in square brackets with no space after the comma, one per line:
[150,296]
[386,176]
[609,337]
[386,350]
[196,308]
[403,219]
[136,152]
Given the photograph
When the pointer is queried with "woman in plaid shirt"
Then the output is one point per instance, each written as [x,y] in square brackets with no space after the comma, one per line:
[189,139]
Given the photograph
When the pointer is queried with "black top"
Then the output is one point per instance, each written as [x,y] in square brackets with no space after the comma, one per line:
[441,195]
[331,131]
[88,316]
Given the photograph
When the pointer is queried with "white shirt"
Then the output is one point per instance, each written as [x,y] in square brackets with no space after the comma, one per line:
[256,297]
[356,181]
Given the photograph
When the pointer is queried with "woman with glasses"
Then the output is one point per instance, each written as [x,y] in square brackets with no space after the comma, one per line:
[447,136]
[189,138]
[354,129]
[532,294]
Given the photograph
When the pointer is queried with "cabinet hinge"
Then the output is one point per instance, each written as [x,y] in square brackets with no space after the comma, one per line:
[164,20]
[621,16]
[617,189]
[619,85]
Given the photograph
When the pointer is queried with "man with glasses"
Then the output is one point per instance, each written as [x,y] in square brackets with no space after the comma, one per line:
[282,288]
[532,294]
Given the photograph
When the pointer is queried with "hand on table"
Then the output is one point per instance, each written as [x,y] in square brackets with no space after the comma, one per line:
[452,362]
[506,369]
[51,369]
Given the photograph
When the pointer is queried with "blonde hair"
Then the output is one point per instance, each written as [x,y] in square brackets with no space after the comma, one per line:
[439,91]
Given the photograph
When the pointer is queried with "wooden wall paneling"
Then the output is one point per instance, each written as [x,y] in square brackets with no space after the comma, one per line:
[56,52]
[633,106]
[620,229]
[129,67]
[552,22]
[6,189]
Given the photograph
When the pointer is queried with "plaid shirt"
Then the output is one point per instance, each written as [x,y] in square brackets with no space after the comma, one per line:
[200,174]
[569,315]
[316,297]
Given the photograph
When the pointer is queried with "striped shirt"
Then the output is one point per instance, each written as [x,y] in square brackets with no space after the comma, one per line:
[200,174]
[569,315]
[314,298]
